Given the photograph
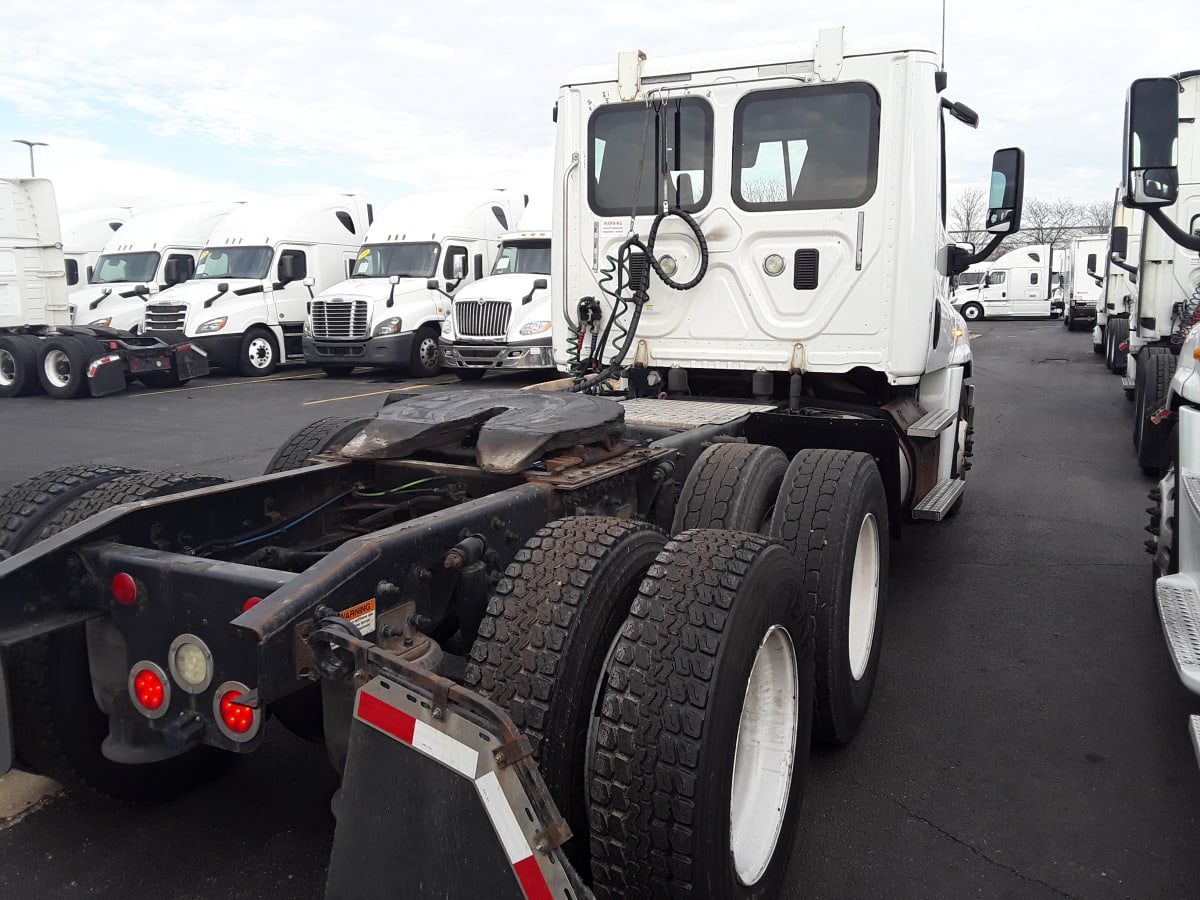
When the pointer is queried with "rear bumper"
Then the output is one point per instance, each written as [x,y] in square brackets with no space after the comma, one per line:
[390,352]
[134,356]
[531,355]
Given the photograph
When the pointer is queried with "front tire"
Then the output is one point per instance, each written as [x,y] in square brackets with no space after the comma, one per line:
[425,360]
[832,514]
[702,751]
[1155,367]
[972,312]
[257,354]
[470,374]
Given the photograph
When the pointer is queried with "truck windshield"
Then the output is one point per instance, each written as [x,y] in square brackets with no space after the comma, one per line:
[114,267]
[529,258]
[415,260]
[969,279]
[234,262]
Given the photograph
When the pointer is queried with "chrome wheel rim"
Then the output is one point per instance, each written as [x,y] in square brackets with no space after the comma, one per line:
[260,352]
[864,596]
[427,352]
[57,367]
[8,368]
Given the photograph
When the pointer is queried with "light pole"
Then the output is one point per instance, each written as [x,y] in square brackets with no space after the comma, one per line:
[30,145]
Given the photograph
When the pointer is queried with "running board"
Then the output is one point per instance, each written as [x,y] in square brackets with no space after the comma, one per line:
[1194,728]
[932,424]
[1191,487]
[1179,609]
[937,503]
[1127,383]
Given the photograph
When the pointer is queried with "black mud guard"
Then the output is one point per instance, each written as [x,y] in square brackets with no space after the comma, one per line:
[106,375]
[435,803]
[190,361]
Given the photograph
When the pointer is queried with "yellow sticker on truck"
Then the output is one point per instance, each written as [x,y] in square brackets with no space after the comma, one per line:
[361,616]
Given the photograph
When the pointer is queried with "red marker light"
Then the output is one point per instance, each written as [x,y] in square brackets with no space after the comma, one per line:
[149,690]
[237,718]
[251,603]
[124,588]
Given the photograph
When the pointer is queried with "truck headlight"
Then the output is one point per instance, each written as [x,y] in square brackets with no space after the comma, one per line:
[102,323]
[308,332]
[212,325]
[535,327]
[387,326]
[447,329]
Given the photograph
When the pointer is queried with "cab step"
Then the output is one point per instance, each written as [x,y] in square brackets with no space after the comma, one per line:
[932,423]
[1191,487]
[1127,383]
[1194,728]
[1179,608]
[937,503]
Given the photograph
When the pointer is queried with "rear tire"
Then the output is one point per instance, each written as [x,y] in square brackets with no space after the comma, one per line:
[731,486]
[832,514]
[322,436]
[18,366]
[701,755]
[1155,367]
[425,360]
[547,638]
[1120,336]
[257,354]
[62,366]
[58,726]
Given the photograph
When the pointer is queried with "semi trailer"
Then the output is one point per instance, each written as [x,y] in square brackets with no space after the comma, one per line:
[1083,281]
[589,633]
[421,251]
[502,322]
[154,251]
[40,348]
[247,300]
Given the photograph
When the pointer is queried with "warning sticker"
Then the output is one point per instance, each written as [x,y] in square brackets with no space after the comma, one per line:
[610,227]
[362,616]
[364,252]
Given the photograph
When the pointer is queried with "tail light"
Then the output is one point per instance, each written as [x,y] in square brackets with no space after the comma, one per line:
[124,588]
[149,690]
[237,721]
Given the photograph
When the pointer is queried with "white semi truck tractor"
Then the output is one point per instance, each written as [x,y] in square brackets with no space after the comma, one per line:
[502,322]
[1110,336]
[420,252]
[152,252]
[1018,284]
[1083,281]
[575,642]
[246,303]
[1162,178]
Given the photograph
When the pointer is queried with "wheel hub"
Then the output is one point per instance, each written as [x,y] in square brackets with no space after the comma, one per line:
[864,596]
[8,368]
[260,353]
[58,368]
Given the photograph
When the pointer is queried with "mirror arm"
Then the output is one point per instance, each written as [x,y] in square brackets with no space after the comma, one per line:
[391,301]
[983,254]
[1120,263]
[1173,231]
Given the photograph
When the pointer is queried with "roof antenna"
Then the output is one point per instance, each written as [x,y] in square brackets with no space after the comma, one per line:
[939,78]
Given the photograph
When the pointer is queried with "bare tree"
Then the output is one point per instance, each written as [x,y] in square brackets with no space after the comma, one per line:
[1095,217]
[966,216]
[1048,221]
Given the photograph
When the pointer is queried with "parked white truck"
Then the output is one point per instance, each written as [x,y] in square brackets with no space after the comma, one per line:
[84,235]
[152,252]
[40,349]
[1162,177]
[1110,336]
[502,322]
[1083,283]
[421,250]
[246,303]
[1019,283]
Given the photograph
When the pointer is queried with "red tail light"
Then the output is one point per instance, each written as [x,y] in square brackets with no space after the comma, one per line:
[251,603]
[124,588]
[237,718]
[237,721]
[149,690]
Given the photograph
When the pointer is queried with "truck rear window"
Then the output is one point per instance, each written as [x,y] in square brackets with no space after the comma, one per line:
[628,142]
[811,147]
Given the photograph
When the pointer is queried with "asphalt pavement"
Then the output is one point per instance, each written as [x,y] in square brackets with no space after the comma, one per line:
[1027,737]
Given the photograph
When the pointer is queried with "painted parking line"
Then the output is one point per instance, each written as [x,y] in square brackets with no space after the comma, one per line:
[391,390]
[225,384]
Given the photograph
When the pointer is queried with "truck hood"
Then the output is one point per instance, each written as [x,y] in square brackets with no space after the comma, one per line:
[373,289]
[514,288]
[194,293]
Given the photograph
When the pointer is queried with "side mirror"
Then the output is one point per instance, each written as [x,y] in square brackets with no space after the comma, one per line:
[539,284]
[309,282]
[72,271]
[432,285]
[142,291]
[291,267]
[1152,143]
[1091,264]
[958,259]
[1118,241]
[177,270]
[478,268]
[458,268]
[393,279]
[1008,191]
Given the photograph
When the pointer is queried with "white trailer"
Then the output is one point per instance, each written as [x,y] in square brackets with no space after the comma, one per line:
[1019,283]
[246,303]
[84,235]
[1083,283]
[421,250]
[40,349]
[1110,335]
[502,322]
[152,252]
[1162,177]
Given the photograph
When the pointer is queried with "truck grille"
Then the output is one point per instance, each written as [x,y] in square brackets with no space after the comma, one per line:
[339,320]
[482,318]
[165,317]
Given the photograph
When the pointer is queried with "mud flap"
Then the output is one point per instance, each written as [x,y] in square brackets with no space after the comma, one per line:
[6,732]
[106,376]
[190,361]
[436,803]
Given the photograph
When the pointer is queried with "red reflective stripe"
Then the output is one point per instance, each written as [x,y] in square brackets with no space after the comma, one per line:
[1124,345]
[532,880]
[387,718]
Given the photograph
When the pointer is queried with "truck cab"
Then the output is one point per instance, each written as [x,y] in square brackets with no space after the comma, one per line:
[154,251]
[1083,286]
[1019,283]
[502,322]
[260,268]
[85,233]
[1118,296]
[419,253]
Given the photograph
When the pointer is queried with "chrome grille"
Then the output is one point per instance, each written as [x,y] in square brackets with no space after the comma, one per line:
[339,320]
[482,318]
[165,317]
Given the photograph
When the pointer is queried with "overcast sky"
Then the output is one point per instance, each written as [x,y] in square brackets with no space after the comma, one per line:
[147,104]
